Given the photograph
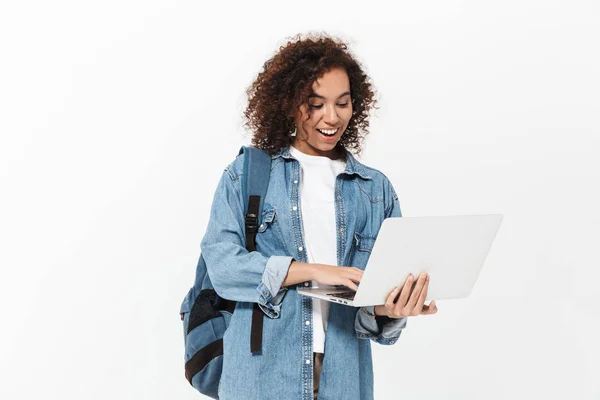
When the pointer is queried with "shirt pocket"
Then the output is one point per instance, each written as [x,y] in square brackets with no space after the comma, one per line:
[363,245]
[269,239]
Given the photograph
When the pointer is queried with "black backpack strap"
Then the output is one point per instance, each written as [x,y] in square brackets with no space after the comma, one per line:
[257,169]
[252,222]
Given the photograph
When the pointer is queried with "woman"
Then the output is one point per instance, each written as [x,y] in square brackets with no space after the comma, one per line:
[308,108]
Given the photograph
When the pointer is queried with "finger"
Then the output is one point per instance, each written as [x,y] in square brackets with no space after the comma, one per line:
[429,309]
[422,296]
[351,285]
[416,292]
[355,272]
[389,303]
[355,278]
[403,298]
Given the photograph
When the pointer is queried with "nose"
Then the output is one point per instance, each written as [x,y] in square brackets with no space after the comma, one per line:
[331,117]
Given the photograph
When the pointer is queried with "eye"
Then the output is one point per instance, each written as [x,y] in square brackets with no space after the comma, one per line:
[321,105]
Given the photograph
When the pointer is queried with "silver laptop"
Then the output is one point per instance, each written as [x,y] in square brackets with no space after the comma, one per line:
[451,249]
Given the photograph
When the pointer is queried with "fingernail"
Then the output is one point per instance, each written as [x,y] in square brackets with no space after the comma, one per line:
[410,277]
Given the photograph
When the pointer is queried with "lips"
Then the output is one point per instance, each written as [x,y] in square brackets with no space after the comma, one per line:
[328,132]
[328,137]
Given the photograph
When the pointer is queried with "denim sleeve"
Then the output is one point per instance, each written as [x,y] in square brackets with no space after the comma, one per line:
[236,273]
[365,323]
[367,327]
[392,208]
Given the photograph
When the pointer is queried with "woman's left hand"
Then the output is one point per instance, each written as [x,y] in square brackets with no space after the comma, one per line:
[408,304]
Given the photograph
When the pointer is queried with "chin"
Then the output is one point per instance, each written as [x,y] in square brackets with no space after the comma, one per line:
[325,147]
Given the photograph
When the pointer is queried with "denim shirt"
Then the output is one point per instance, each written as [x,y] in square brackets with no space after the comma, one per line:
[364,197]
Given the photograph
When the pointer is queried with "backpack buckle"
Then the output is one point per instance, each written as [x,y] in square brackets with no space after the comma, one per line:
[251,223]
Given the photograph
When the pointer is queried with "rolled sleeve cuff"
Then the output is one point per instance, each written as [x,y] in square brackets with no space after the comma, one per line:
[366,327]
[271,292]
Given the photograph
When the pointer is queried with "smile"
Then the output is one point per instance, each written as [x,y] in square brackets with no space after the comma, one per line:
[328,132]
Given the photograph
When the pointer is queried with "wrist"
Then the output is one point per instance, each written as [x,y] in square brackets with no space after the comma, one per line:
[313,271]
[299,272]
[379,311]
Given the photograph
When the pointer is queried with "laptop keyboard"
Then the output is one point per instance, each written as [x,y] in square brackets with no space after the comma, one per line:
[343,295]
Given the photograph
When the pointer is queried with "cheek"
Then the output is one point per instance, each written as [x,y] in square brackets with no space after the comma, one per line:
[309,129]
[347,115]
[313,122]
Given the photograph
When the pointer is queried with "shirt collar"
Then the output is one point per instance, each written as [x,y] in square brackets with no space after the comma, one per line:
[353,166]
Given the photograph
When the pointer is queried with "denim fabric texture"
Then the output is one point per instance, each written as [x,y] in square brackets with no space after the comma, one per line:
[364,197]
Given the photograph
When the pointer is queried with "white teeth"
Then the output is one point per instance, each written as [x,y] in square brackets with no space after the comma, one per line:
[327,131]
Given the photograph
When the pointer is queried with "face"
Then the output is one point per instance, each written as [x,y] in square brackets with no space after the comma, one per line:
[331,108]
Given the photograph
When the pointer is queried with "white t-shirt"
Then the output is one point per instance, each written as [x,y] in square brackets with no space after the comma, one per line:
[317,195]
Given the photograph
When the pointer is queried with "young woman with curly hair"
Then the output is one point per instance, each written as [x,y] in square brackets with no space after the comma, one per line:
[308,108]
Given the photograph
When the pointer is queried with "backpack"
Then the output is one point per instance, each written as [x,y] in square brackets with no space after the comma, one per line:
[204,313]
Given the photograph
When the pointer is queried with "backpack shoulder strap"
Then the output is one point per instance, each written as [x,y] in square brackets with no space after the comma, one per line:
[255,182]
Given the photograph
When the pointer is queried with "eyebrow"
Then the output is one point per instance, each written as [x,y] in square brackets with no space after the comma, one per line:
[322,97]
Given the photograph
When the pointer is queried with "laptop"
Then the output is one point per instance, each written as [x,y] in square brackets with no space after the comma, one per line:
[451,249]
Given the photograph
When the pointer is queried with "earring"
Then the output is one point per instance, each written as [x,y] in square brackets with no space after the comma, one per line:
[294,133]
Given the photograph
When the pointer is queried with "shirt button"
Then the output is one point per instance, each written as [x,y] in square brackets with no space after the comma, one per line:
[391,342]
[339,197]
[294,208]
[341,229]
[300,248]
[266,293]
[307,322]
[308,361]
[296,181]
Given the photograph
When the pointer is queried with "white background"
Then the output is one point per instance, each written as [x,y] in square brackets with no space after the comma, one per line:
[117,119]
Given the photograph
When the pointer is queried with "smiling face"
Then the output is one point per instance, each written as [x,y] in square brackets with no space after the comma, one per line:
[331,110]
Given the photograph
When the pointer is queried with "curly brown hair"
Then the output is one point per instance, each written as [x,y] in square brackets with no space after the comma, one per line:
[285,83]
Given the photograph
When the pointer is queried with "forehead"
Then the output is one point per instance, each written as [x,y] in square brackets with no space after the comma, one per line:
[332,83]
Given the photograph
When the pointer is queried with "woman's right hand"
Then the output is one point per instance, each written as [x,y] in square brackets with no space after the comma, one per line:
[334,275]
